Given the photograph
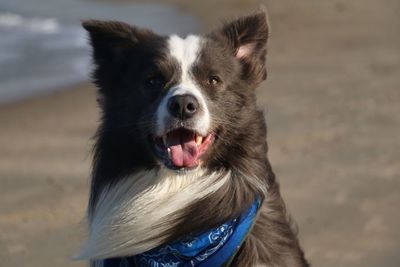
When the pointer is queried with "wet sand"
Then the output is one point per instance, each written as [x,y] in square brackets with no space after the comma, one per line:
[332,106]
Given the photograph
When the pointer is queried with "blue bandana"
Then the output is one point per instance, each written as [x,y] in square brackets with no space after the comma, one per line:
[213,248]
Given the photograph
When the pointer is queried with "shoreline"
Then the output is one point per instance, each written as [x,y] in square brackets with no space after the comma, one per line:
[47,92]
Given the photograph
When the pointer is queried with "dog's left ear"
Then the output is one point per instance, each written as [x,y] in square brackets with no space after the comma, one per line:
[246,39]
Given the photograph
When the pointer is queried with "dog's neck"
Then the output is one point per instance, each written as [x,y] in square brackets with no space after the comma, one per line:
[137,214]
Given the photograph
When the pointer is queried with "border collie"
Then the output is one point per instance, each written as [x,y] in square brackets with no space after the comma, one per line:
[180,171]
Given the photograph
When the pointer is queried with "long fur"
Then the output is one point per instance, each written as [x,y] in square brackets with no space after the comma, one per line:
[137,214]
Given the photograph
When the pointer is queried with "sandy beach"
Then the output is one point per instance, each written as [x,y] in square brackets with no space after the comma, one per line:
[332,106]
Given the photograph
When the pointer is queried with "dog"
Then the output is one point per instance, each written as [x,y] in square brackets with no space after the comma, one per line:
[180,170]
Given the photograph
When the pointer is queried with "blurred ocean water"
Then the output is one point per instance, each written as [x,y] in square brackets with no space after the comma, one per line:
[43,47]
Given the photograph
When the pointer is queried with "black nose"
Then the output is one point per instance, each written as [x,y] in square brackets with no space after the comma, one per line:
[183,106]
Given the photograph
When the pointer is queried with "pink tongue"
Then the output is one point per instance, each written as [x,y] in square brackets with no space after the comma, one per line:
[184,151]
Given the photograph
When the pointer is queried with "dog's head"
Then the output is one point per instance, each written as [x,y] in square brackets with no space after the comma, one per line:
[178,102]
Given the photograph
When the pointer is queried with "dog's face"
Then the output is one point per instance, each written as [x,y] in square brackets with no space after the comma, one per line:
[177,101]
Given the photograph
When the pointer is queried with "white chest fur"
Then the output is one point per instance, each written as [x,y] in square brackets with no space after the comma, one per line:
[134,215]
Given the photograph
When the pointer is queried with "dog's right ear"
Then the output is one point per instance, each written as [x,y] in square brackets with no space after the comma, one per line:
[111,39]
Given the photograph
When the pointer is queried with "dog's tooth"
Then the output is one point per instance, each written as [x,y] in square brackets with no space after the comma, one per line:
[169,152]
[199,139]
[164,138]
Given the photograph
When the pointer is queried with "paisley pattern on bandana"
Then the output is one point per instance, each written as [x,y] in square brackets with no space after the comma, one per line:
[187,252]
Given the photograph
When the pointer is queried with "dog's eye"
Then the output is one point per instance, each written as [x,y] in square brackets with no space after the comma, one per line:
[213,80]
[155,81]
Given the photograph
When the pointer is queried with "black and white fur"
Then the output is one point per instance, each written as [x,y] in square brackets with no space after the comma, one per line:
[139,199]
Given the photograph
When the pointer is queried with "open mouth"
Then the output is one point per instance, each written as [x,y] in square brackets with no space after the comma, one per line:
[182,148]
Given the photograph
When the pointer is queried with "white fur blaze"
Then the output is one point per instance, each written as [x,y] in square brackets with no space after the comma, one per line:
[186,52]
